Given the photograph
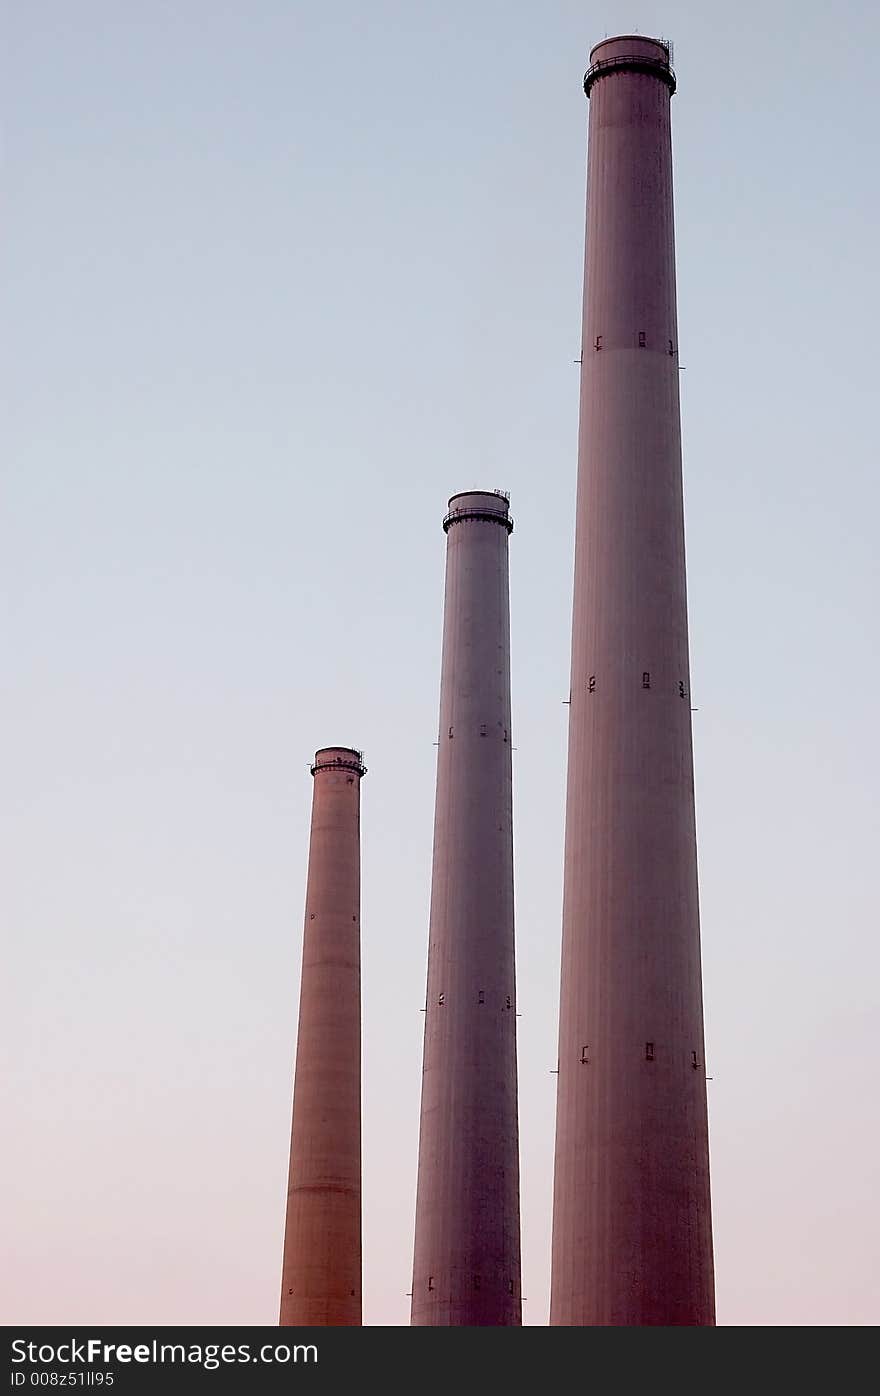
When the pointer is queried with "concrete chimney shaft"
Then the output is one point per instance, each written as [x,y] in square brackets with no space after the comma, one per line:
[321,1276]
[632,1241]
[467,1241]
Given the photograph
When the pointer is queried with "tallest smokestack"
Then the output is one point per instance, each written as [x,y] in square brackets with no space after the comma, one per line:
[632,1241]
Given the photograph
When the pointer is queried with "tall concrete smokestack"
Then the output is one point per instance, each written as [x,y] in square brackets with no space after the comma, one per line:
[632,1241]
[466,1268]
[321,1273]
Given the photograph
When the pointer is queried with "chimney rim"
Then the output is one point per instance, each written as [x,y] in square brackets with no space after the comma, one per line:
[342,759]
[636,38]
[656,64]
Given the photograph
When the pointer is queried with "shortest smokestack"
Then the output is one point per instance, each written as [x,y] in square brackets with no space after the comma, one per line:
[321,1273]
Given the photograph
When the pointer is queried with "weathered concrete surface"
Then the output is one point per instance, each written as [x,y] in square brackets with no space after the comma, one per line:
[467,1242]
[632,1241]
[321,1277]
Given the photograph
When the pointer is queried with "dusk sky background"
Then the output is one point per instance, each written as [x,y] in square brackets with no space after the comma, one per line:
[279,278]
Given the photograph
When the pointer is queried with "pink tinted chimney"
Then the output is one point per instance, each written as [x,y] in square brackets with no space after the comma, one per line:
[466,1267]
[632,1238]
[321,1275]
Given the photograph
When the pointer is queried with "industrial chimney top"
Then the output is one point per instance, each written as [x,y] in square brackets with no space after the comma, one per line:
[633,52]
[490,506]
[339,758]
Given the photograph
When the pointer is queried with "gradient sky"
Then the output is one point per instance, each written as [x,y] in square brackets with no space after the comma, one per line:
[278,279]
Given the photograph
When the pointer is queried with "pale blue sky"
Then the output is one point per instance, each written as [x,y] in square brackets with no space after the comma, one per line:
[278,278]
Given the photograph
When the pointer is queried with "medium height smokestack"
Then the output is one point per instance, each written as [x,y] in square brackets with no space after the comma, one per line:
[321,1276]
[467,1245]
[632,1240]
